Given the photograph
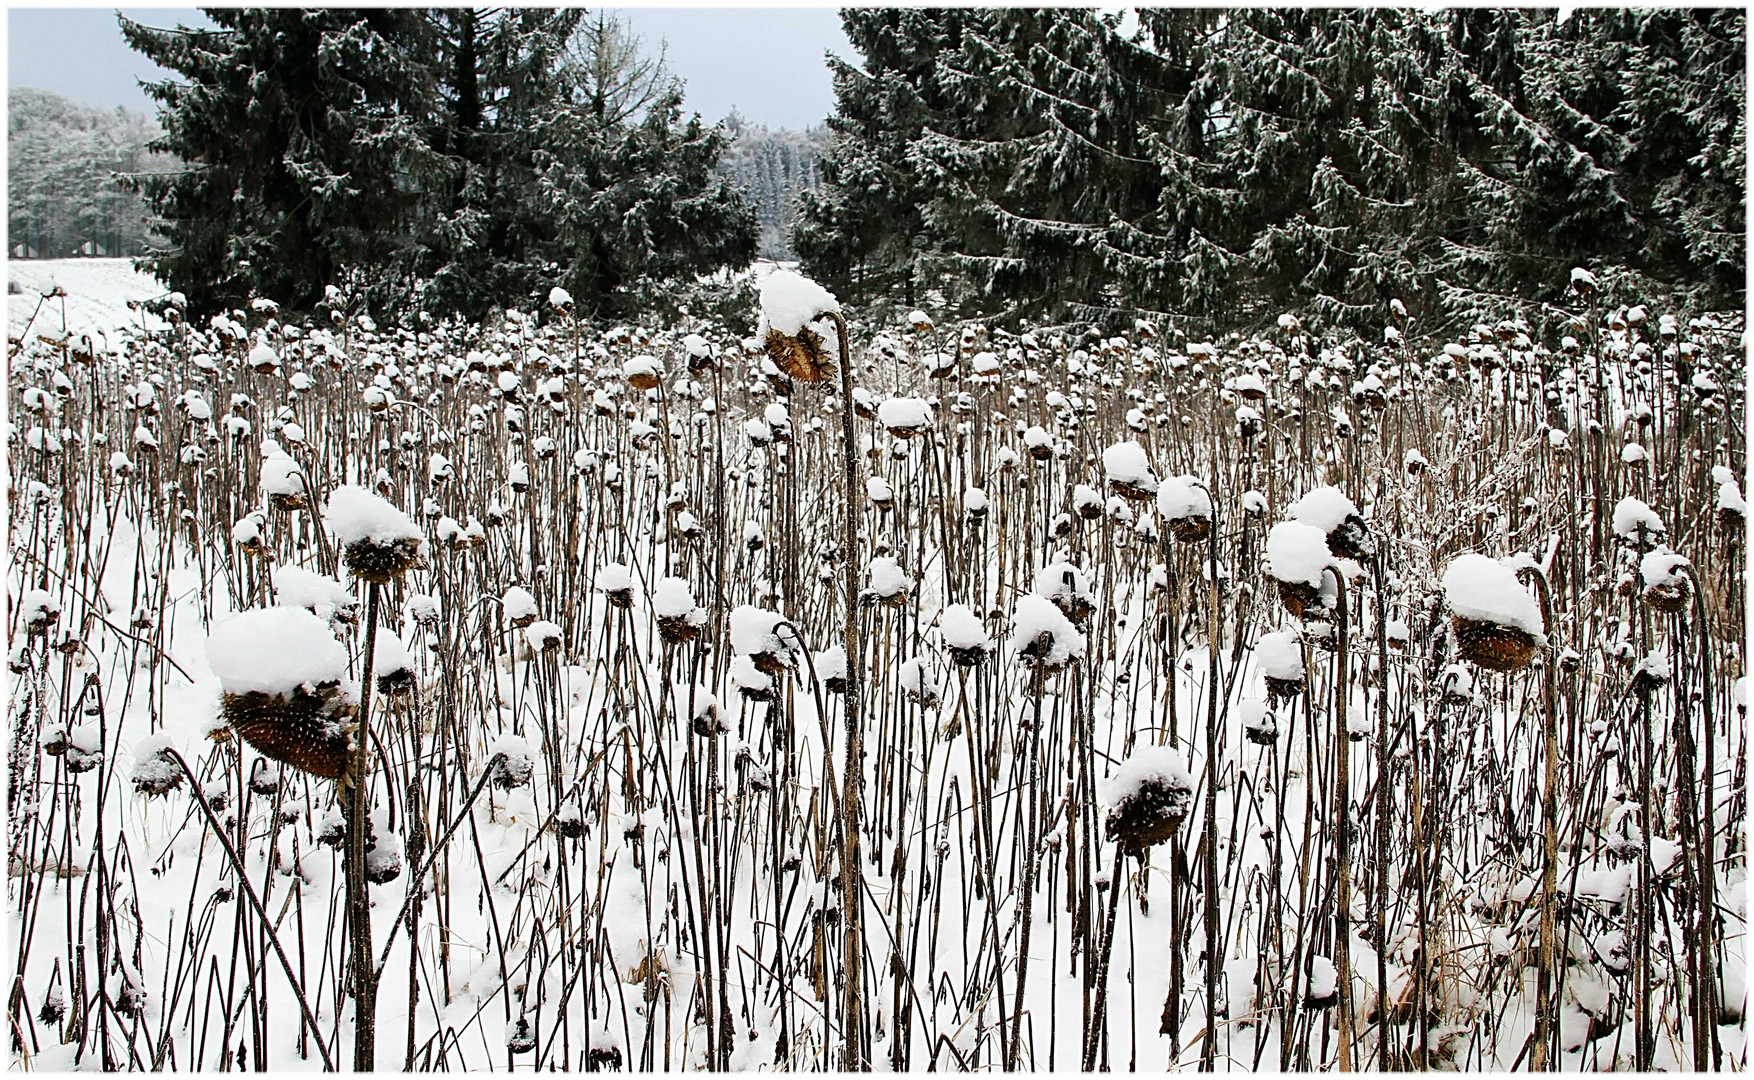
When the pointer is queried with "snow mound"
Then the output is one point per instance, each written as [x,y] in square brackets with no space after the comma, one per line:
[1729,497]
[963,629]
[906,414]
[354,514]
[888,579]
[519,763]
[1160,765]
[614,577]
[1663,568]
[156,771]
[642,367]
[275,651]
[422,608]
[1486,590]
[1633,515]
[1063,583]
[789,300]
[830,663]
[1297,552]
[749,679]
[1126,463]
[281,476]
[754,630]
[1041,631]
[518,603]
[296,587]
[1183,497]
[919,681]
[1655,666]
[672,598]
[38,607]
[1324,507]
[1279,656]
[390,656]
[542,635]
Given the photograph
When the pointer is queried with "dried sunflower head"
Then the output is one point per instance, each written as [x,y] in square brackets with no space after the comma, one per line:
[802,357]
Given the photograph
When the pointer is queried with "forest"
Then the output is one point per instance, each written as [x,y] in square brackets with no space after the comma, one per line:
[775,168]
[1225,166]
[63,158]
[69,162]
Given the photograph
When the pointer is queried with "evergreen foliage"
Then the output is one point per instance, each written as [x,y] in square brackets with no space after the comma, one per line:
[458,158]
[1052,186]
[862,232]
[299,133]
[1226,166]
[1617,139]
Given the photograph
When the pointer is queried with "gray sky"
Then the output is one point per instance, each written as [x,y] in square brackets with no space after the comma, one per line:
[766,62]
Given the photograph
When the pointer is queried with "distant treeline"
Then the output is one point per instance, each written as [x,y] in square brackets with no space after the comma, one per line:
[773,166]
[64,161]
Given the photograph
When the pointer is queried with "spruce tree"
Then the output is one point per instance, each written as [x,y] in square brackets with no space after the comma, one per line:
[1007,160]
[633,204]
[1045,192]
[483,237]
[1614,139]
[861,233]
[461,158]
[1227,166]
[299,132]
[1336,116]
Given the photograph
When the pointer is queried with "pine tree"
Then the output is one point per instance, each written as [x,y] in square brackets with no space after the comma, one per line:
[299,134]
[1614,139]
[462,158]
[860,234]
[1227,166]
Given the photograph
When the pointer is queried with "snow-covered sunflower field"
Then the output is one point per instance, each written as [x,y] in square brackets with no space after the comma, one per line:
[539,694]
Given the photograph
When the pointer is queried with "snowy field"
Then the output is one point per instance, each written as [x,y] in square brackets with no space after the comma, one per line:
[98,292]
[1207,692]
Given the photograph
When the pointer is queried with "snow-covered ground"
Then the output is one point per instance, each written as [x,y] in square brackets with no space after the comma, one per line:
[98,293]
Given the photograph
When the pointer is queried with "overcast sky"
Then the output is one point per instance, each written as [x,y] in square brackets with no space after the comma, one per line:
[765,62]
